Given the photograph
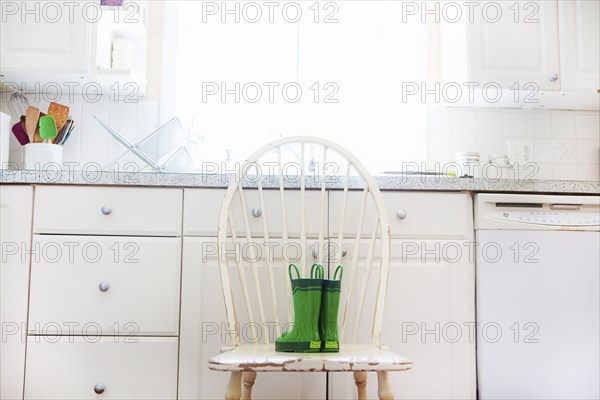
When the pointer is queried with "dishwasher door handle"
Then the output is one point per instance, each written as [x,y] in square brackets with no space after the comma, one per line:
[572,207]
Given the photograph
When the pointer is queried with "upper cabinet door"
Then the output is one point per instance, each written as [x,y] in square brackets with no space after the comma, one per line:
[515,41]
[49,36]
[579,44]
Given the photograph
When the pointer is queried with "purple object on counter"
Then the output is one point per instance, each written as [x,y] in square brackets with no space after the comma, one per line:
[20,133]
[117,3]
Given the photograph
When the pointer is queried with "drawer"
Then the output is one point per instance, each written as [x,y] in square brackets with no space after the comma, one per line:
[202,208]
[71,367]
[107,211]
[112,285]
[410,214]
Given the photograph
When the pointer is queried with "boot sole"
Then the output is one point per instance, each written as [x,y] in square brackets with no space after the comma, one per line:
[298,347]
[330,347]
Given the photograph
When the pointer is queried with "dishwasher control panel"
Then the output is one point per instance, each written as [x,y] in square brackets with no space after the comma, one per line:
[548,217]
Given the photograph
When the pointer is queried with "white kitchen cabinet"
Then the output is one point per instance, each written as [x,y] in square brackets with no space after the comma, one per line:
[179,315]
[89,367]
[515,42]
[203,322]
[116,285]
[203,332]
[410,214]
[430,303]
[104,293]
[431,293]
[108,211]
[16,207]
[579,34]
[55,36]
[198,221]
[530,54]
[65,46]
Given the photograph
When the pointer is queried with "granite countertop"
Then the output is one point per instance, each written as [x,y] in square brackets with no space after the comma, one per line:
[385,182]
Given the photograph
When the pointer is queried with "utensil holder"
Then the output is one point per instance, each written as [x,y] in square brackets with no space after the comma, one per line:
[39,156]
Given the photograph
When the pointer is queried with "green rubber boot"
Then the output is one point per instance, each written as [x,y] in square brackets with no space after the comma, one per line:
[330,304]
[304,336]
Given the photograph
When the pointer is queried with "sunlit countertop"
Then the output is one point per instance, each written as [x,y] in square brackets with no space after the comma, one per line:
[385,182]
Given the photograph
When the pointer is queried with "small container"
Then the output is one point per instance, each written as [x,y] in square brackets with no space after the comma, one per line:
[502,162]
[468,163]
[39,156]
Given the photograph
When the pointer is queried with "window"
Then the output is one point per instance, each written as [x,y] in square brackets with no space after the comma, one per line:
[243,73]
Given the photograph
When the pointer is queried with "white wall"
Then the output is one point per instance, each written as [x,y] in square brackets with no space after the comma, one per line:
[566,144]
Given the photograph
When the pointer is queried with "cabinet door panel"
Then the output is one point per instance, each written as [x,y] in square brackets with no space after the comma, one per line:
[203,331]
[514,41]
[579,44]
[49,37]
[430,308]
[16,206]
[71,367]
[142,293]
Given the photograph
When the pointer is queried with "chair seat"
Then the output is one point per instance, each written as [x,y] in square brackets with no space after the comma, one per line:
[352,357]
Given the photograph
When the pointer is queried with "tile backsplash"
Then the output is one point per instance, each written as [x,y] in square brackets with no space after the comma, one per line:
[90,142]
[566,144]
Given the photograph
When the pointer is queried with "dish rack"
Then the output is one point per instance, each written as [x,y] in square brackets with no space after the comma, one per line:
[164,150]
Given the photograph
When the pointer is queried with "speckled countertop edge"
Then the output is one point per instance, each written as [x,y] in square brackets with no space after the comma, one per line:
[385,182]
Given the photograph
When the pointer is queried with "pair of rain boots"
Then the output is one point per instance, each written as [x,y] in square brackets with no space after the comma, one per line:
[316,305]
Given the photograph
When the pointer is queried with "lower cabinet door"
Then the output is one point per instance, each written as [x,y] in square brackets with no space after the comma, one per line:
[16,214]
[204,331]
[68,367]
[429,317]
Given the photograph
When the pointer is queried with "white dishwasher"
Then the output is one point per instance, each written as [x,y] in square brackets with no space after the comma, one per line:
[538,303]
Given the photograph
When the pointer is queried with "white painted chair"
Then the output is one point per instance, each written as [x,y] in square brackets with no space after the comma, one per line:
[278,201]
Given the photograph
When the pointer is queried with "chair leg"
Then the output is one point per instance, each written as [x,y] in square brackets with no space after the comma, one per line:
[233,391]
[360,379]
[248,380]
[384,391]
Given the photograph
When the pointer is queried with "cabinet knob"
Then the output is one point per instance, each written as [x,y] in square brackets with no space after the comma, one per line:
[106,210]
[401,214]
[99,388]
[553,77]
[103,286]
[256,212]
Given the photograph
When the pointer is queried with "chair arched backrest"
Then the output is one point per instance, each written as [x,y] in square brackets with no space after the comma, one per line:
[303,200]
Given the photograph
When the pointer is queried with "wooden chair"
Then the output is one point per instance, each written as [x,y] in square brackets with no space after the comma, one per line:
[280,198]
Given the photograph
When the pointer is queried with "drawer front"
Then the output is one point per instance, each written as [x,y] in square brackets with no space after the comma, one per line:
[71,367]
[202,207]
[105,284]
[108,211]
[410,214]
